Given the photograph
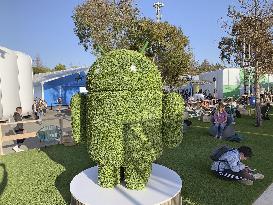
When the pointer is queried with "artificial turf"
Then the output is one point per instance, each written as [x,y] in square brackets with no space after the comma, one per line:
[43,176]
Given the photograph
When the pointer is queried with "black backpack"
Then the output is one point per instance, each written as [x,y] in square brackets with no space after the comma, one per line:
[217,153]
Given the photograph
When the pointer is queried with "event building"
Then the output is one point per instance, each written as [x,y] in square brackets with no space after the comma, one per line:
[64,84]
[229,82]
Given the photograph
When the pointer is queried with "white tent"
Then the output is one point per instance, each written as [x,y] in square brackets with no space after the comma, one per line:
[15,77]
[227,82]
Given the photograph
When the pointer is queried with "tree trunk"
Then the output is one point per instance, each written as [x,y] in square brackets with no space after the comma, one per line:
[244,69]
[258,100]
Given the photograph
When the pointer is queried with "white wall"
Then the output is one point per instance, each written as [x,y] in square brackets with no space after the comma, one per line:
[16,84]
[231,76]
[25,78]
[9,82]
[38,91]
[1,107]
[208,76]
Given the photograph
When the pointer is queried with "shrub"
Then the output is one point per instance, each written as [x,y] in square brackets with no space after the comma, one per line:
[173,110]
[124,120]
[78,117]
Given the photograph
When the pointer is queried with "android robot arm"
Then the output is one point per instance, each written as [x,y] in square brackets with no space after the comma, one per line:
[173,109]
[78,117]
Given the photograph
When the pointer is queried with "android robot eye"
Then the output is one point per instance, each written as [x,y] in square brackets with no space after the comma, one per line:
[133,68]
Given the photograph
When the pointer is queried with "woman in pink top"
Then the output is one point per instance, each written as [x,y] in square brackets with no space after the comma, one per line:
[220,120]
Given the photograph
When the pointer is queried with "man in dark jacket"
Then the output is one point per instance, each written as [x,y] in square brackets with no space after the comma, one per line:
[19,129]
[265,111]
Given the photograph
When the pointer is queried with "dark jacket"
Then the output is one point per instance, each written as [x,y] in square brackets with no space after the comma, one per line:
[17,117]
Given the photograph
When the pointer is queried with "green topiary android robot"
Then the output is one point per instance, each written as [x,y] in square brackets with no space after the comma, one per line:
[128,119]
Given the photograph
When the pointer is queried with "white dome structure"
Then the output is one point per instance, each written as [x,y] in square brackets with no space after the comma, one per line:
[9,82]
[25,77]
[15,77]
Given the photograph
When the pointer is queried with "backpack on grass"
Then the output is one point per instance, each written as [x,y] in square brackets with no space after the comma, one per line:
[217,153]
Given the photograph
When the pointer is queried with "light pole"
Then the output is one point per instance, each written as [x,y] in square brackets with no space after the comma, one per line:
[158,6]
[214,80]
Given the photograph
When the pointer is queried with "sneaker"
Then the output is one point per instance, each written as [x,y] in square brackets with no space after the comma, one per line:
[216,137]
[246,182]
[258,176]
[220,137]
[16,148]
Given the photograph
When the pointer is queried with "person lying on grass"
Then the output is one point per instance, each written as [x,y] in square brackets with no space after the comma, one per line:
[230,167]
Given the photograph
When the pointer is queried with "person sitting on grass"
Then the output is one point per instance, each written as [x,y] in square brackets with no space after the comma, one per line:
[229,166]
[220,120]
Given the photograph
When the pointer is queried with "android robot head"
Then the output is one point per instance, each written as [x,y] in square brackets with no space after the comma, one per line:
[123,70]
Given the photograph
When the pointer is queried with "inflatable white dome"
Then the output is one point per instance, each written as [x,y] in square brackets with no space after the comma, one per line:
[16,87]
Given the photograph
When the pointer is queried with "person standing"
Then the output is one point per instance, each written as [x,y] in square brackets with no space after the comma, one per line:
[34,109]
[19,129]
[60,102]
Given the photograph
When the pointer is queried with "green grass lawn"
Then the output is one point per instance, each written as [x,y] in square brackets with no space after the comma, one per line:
[43,176]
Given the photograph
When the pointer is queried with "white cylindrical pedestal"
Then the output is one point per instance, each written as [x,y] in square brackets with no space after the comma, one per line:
[163,188]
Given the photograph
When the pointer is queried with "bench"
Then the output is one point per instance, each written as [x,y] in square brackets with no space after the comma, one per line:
[24,135]
[16,136]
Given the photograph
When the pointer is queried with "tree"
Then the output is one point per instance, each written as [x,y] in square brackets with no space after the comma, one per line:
[37,70]
[104,24]
[107,25]
[251,28]
[206,66]
[38,66]
[37,62]
[59,67]
[167,46]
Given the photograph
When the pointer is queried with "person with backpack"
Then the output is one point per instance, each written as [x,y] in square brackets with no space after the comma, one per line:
[227,164]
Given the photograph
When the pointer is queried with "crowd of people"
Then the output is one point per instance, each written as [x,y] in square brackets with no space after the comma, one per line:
[223,113]
[39,108]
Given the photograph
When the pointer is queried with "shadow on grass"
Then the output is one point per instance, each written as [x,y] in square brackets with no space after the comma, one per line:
[4,180]
[74,159]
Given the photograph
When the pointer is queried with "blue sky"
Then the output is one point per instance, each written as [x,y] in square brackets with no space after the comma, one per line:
[45,28]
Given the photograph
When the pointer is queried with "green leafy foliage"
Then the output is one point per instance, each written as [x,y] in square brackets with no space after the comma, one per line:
[107,25]
[206,66]
[124,117]
[173,110]
[60,67]
[104,24]
[123,70]
[78,117]
[167,47]
[249,40]
[37,70]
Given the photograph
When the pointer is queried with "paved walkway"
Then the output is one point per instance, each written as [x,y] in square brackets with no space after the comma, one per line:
[266,198]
